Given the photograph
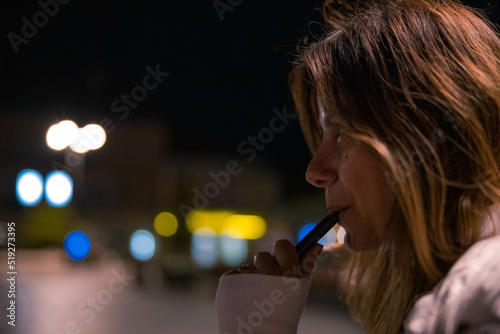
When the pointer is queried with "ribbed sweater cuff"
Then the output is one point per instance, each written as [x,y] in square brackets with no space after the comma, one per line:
[260,304]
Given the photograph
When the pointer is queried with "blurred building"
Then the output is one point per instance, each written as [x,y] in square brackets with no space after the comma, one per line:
[122,186]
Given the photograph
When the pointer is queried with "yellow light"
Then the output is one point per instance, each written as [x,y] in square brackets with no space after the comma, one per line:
[233,232]
[244,226]
[227,223]
[166,224]
[197,219]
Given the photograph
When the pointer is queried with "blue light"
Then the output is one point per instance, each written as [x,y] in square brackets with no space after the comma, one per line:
[304,230]
[29,187]
[142,245]
[233,251]
[58,188]
[328,240]
[77,245]
[204,247]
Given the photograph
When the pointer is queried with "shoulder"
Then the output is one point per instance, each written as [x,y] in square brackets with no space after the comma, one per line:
[481,258]
[473,283]
[468,297]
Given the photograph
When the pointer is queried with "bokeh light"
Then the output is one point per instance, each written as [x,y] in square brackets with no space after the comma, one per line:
[245,226]
[305,230]
[81,145]
[197,219]
[227,223]
[61,135]
[95,134]
[204,247]
[327,240]
[165,224]
[341,235]
[77,245]
[142,245]
[58,188]
[29,187]
[233,251]
[90,137]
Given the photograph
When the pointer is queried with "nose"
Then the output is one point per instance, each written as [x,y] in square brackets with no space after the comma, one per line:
[322,170]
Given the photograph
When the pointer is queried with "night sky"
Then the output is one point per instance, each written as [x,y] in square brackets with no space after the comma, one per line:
[225,77]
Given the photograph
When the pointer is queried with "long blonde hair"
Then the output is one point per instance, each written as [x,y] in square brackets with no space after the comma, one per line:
[417,82]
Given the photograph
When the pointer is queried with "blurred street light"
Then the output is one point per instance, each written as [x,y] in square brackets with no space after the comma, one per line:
[29,187]
[142,245]
[91,137]
[61,135]
[233,251]
[227,223]
[166,224]
[67,134]
[204,247]
[58,188]
[77,245]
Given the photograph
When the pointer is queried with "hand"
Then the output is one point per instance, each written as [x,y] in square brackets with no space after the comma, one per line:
[284,261]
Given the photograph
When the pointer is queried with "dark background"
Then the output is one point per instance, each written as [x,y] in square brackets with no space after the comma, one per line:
[225,76]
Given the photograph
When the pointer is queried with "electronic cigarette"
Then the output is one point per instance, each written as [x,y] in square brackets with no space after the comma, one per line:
[316,234]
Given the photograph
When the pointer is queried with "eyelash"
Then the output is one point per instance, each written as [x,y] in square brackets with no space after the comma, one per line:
[338,135]
[335,126]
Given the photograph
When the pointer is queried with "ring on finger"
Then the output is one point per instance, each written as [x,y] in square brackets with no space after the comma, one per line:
[242,267]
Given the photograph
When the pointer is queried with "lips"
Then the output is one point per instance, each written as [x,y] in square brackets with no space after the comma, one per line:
[332,209]
[340,209]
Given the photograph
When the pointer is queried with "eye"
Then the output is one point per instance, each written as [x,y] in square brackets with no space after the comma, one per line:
[338,131]
[333,134]
[332,129]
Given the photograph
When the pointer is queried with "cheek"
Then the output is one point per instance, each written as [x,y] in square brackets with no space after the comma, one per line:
[384,195]
[361,179]
[364,178]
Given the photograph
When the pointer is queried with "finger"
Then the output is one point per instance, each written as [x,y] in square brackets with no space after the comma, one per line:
[265,263]
[285,254]
[309,258]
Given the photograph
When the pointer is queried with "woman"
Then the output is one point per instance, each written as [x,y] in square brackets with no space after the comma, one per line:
[399,101]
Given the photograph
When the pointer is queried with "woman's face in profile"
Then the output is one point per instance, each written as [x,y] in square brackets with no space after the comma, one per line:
[355,184]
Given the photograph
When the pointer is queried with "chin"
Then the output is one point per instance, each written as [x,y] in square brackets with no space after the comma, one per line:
[357,245]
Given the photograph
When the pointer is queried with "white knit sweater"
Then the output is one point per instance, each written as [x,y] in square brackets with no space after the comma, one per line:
[466,301]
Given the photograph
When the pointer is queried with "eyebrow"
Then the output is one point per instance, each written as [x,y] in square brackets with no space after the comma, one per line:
[325,121]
